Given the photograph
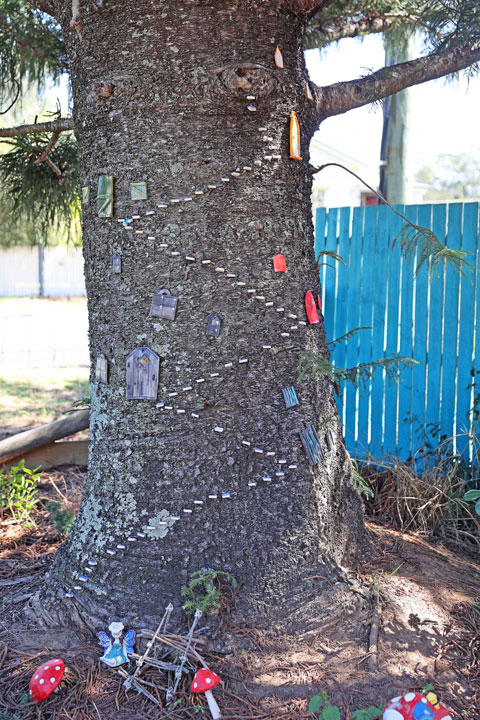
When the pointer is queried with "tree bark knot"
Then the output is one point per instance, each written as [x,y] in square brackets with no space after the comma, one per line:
[245,78]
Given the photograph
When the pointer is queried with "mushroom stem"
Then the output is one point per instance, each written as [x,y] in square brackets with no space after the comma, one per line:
[212,704]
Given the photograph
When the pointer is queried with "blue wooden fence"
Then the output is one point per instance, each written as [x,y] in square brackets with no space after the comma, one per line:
[436,323]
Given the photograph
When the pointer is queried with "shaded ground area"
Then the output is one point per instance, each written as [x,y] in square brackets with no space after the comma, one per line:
[425,597]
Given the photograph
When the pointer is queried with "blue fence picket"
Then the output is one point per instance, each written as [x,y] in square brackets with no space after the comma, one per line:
[424,219]
[366,320]
[378,332]
[405,418]
[450,327]
[433,319]
[320,225]
[349,415]
[465,330]
[435,323]
[343,279]
[392,335]
[329,303]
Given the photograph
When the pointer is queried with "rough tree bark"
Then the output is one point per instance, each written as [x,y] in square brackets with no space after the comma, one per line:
[161,95]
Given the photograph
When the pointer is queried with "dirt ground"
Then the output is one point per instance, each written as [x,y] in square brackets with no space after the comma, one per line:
[425,597]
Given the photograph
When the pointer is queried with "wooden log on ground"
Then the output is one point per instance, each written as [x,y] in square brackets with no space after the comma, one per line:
[74,452]
[22,443]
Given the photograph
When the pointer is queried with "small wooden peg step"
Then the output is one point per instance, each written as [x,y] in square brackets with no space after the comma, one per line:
[279,264]
[278,57]
[294,137]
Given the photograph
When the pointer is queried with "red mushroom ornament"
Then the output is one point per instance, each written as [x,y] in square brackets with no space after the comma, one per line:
[204,681]
[414,706]
[46,679]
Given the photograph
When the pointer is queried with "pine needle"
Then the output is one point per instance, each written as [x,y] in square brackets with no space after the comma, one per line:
[34,194]
[424,244]
[348,335]
[360,374]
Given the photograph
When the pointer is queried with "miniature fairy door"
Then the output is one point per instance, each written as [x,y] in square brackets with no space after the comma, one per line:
[142,374]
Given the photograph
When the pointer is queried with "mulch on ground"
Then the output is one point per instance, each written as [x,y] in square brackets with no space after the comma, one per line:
[424,597]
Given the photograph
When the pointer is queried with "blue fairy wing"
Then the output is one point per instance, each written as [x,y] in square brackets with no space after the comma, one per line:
[129,640]
[104,639]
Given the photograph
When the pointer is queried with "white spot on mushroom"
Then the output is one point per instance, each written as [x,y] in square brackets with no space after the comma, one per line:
[409,696]
[52,679]
[424,700]
[46,667]
[36,676]
[57,667]
[207,680]
[391,714]
[29,692]
[42,681]
[195,685]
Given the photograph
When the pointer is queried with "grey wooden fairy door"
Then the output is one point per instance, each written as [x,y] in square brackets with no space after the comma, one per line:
[142,374]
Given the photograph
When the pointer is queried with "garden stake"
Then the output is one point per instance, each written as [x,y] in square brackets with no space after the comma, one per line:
[166,617]
[137,685]
[183,658]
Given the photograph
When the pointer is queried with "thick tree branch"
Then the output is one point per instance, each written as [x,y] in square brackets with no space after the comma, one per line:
[340,97]
[336,29]
[54,126]
[308,7]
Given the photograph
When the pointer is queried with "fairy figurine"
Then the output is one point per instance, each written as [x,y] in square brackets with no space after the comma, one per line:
[116,652]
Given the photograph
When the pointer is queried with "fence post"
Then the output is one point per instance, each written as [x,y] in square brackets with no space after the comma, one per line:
[41,271]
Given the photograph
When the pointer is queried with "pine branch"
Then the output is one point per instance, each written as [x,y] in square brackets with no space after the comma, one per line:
[360,374]
[323,34]
[422,242]
[31,48]
[431,248]
[43,196]
[343,96]
[17,95]
[334,29]
[348,335]
[59,125]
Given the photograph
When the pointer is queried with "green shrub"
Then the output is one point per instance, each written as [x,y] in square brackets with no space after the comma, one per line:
[63,517]
[204,591]
[18,488]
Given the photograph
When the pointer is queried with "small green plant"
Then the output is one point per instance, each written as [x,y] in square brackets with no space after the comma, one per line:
[377,584]
[368,713]
[18,488]
[329,712]
[203,591]
[473,496]
[63,517]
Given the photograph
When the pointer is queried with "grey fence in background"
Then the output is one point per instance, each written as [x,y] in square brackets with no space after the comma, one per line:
[41,272]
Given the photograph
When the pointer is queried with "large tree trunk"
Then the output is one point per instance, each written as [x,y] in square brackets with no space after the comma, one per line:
[160,94]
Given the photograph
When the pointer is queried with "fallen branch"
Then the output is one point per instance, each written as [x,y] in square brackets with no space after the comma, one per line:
[44,435]
[373,639]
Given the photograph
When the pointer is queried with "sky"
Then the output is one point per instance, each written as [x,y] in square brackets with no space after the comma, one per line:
[444,114]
